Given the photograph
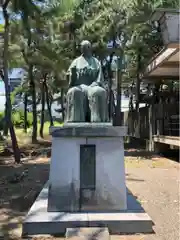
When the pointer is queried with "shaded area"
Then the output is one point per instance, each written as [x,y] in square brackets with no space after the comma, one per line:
[18,196]
[42,147]
[172,154]
[138,153]
[137,149]
[133,204]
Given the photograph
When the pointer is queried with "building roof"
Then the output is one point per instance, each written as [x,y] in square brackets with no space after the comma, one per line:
[164,65]
[16,73]
[157,14]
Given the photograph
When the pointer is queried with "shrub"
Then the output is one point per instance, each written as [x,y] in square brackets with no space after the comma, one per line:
[18,118]
[1,120]
[30,118]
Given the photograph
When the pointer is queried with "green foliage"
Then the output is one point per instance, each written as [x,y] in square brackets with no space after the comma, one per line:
[18,118]
[1,120]
[57,28]
[1,28]
[48,35]
[17,91]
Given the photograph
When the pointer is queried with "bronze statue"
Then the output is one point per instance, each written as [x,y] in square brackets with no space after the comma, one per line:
[86,97]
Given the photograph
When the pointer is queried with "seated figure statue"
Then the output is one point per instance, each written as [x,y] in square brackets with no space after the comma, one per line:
[86,96]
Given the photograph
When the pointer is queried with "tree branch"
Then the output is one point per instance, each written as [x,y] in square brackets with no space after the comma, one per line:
[2,75]
[24,55]
[4,6]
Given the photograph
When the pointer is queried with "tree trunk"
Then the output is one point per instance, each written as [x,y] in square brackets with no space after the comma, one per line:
[25,111]
[131,107]
[110,85]
[62,103]
[42,109]
[16,150]
[5,132]
[138,92]
[48,104]
[138,79]
[110,76]
[118,118]
[31,84]
[34,107]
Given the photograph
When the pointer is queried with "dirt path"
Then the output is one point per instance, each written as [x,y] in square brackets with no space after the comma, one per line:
[156,185]
[153,181]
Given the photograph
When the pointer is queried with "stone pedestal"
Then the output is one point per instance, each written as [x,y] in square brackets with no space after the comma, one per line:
[87,168]
[86,186]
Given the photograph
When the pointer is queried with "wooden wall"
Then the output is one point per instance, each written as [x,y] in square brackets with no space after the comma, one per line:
[165,121]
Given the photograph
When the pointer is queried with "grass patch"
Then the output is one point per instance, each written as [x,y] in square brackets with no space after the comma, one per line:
[20,131]
[24,139]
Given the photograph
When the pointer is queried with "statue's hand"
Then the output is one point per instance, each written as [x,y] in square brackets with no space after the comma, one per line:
[94,84]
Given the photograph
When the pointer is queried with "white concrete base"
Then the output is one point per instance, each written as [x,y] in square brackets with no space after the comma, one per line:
[40,221]
[64,178]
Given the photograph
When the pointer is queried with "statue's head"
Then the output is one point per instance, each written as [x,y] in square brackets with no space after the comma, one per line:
[86,48]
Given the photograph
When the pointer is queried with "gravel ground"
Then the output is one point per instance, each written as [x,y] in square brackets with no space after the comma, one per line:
[156,185]
[154,181]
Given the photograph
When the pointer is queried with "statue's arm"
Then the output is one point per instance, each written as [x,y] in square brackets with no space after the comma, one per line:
[100,77]
[71,74]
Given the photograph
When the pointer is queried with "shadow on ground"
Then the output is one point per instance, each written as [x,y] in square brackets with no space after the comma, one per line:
[17,195]
[41,147]
[139,151]
[135,150]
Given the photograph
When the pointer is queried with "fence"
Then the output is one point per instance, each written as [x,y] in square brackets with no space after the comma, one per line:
[165,121]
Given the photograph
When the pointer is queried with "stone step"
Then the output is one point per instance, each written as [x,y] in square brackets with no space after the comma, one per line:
[40,221]
[98,233]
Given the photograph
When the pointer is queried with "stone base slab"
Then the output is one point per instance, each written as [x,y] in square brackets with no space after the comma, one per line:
[87,233]
[88,130]
[40,221]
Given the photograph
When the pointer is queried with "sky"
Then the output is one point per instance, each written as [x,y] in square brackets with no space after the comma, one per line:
[15,73]
[1,87]
[2,98]
[1,18]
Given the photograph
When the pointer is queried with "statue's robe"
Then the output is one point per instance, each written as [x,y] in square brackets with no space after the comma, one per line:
[86,92]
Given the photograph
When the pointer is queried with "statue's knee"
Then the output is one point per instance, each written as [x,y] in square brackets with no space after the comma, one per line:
[97,91]
[75,92]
